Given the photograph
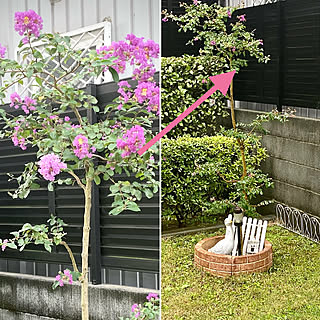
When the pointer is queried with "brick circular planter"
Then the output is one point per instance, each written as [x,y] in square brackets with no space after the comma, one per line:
[224,265]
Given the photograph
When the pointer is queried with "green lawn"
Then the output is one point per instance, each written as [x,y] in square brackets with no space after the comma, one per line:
[290,290]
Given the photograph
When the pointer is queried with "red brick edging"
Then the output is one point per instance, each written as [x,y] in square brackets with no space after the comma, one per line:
[224,265]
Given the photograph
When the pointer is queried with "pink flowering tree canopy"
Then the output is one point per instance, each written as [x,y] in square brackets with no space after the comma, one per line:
[222,33]
[55,121]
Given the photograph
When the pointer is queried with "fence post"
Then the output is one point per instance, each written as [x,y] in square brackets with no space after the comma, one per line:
[95,239]
[281,69]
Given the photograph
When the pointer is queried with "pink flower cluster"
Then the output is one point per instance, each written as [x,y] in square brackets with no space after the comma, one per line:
[50,166]
[66,275]
[138,53]
[131,141]
[148,91]
[151,296]
[2,51]
[27,104]
[136,310]
[242,18]
[4,244]
[29,23]
[82,148]
[124,92]
[17,139]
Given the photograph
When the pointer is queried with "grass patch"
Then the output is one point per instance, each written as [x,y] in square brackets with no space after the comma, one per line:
[290,290]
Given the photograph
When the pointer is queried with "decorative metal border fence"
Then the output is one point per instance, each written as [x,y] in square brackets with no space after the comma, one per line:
[299,222]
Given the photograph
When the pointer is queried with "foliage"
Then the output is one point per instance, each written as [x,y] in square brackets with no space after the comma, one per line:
[286,291]
[194,173]
[149,310]
[47,235]
[53,133]
[223,35]
[183,81]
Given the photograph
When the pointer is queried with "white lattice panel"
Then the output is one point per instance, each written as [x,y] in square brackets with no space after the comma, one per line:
[84,39]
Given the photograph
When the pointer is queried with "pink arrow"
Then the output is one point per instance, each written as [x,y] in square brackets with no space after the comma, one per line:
[221,82]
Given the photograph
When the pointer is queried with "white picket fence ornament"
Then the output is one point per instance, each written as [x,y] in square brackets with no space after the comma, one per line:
[253,235]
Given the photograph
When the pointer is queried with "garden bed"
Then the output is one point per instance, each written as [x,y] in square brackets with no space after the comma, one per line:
[222,265]
[289,290]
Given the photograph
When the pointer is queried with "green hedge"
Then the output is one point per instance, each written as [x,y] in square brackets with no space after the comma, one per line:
[181,85]
[191,187]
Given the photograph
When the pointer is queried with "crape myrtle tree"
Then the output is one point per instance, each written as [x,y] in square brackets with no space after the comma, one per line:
[51,120]
[224,35]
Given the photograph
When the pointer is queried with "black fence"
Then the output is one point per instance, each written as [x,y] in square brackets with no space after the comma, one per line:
[124,249]
[291,33]
[173,43]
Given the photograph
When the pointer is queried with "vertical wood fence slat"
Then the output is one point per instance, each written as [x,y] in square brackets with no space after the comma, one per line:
[95,241]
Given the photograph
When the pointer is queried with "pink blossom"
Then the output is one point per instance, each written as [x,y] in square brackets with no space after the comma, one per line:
[204,81]
[260,42]
[233,49]
[28,22]
[50,166]
[131,141]
[195,2]
[148,92]
[18,141]
[212,42]
[123,90]
[2,51]
[4,244]
[27,104]
[242,18]
[82,147]
[165,19]
[15,99]
[58,278]
[135,52]
[136,310]
[229,14]
[152,296]
[66,118]
[68,275]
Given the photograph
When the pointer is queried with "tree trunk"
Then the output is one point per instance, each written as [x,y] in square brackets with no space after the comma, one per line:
[85,252]
[234,125]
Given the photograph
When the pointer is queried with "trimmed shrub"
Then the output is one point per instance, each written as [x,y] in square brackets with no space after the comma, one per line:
[183,81]
[194,172]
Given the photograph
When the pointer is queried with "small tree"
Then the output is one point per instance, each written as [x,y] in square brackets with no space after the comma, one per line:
[86,151]
[224,35]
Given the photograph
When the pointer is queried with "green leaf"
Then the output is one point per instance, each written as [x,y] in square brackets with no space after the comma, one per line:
[55,285]
[11,245]
[47,247]
[148,193]
[34,185]
[116,211]
[15,234]
[50,186]
[97,180]
[114,74]
[133,206]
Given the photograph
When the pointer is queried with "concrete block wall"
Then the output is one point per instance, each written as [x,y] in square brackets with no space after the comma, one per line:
[25,297]
[294,162]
